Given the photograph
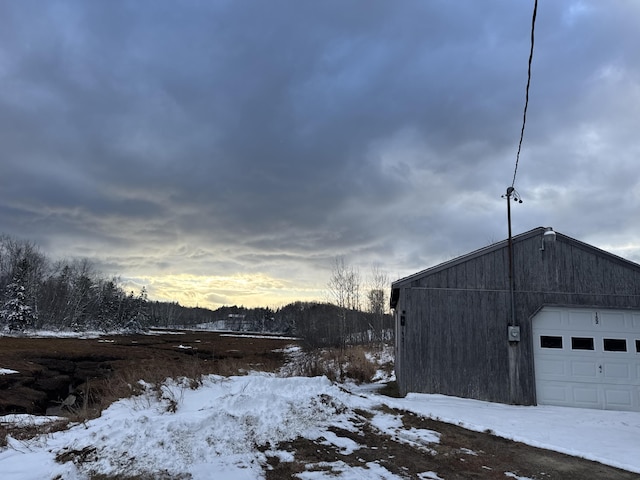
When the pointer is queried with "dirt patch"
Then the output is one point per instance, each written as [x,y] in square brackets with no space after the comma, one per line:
[55,372]
[460,454]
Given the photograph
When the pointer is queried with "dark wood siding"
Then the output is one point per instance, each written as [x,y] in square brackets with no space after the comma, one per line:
[454,340]
[466,355]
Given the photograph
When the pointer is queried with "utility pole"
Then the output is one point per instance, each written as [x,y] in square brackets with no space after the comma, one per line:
[509,194]
[513,329]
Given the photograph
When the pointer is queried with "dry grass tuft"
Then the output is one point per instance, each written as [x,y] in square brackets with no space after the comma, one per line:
[128,381]
[358,365]
[97,395]
[352,363]
[25,430]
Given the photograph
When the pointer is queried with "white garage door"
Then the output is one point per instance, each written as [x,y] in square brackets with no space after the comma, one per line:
[587,358]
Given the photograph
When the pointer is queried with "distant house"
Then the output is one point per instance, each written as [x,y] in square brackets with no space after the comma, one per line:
[573,338]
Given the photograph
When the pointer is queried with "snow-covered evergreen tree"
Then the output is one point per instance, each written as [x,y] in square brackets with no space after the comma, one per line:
[111,298]
[17,315]
[139,312]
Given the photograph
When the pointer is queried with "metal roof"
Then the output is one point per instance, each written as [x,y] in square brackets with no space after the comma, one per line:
[504,244]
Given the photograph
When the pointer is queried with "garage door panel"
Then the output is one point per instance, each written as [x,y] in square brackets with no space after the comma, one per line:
[554,319]
[554,393]
[579,319]
[619,398]
[613,321]
[584,370]
[553,368]
[587,358]
[585,396]
[617,371]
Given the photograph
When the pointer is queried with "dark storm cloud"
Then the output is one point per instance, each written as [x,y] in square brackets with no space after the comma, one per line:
[221,137]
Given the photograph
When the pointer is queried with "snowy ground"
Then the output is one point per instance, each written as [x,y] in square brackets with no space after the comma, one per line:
[231,426]
[608,437]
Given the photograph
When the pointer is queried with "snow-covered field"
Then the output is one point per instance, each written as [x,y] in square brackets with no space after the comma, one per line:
[219,427]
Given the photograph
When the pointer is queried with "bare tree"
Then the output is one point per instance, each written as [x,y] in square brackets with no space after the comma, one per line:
[344,285]
[377,300]
[344,291]
[378,284]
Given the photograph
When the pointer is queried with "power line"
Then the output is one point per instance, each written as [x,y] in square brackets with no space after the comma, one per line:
[526,101]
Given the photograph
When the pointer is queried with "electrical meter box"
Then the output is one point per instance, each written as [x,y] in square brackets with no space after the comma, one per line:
[514,334]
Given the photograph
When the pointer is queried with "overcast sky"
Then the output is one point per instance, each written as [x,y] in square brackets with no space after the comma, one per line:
[226,152]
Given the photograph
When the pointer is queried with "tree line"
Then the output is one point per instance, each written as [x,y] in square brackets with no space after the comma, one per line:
[39,293]
[36,292]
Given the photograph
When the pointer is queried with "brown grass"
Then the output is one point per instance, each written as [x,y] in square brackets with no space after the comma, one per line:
[128,360]
[126,381]
[25,431]
[235,357]
[130,380]
[337,364]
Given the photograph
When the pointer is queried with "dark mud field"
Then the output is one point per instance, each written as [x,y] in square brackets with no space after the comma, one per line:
[64,375]
[51,369]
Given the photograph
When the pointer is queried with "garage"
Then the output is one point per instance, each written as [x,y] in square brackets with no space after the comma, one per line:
[587,357]
[563,328]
